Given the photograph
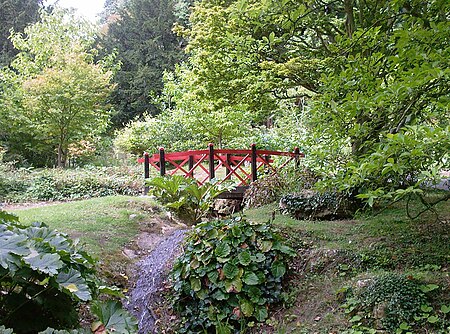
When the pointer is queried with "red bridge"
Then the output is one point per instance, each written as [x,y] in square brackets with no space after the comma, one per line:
[241,165]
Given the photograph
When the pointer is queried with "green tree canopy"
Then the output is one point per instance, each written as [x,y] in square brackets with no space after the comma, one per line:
[15,14]
[59,91]
[366,74]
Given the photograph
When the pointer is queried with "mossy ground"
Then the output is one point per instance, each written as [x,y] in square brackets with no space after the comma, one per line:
[337,254]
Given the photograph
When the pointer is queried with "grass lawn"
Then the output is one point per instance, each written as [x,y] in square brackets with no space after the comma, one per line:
[105,225]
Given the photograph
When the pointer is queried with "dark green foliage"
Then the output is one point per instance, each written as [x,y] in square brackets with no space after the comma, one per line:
[229,274]
[141,33]
[19,185]
[399,295]
[185,196]
[15,15]
[310,204]
[44,276]
[394,302]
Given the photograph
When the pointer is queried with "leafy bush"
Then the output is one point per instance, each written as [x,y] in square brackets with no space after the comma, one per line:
[185,196]
[44,276]
[154,132]
[310,204]
[20,185]
[397,166]
[11,180]
[229,274]
[264,191]
[298,179]
[394,302]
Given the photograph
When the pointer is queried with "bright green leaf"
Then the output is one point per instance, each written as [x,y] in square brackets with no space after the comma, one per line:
[244,258]
[196,284]
[230,270]
[246,307]
[278,269]
[250,278]
[222,250]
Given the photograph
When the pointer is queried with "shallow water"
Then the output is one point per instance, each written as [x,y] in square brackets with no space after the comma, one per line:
[152,271]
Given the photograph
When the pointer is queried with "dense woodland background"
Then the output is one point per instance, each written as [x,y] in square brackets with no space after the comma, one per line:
[362,87]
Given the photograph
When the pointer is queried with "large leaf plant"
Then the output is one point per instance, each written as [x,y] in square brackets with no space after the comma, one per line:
[44,277]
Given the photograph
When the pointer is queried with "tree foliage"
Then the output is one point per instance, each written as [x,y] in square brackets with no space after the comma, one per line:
[359,74]
[141,32]
[384,110]
[15,15]
[58,91]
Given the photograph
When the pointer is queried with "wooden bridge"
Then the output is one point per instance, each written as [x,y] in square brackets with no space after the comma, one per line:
[244,166]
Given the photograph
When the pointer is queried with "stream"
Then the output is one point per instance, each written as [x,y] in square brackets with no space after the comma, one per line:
[151,273]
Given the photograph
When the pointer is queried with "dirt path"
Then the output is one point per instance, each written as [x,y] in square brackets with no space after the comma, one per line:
[30,205]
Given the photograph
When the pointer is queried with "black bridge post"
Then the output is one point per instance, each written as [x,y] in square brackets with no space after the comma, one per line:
[254,166]
[212,172]
[191,165]
[297,157]
[162,162]
[146,171]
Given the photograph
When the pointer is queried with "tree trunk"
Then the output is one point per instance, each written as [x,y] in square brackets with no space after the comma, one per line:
[59,158]
[350,19]
[62,154]
[62,157]
[219,139]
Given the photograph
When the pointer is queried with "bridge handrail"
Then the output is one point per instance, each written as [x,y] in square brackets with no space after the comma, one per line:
[198,153]
[232,159]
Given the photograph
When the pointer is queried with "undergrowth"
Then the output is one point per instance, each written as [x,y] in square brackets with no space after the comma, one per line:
[45,277]
[229,275]
[377,272]
[25,185]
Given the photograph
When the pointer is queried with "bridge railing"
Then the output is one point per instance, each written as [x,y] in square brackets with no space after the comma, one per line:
[203,165]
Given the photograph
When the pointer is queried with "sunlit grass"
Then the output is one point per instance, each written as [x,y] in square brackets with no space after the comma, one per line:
[104,224]
[391,232]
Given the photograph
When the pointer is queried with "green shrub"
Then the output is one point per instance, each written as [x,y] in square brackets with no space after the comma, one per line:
[229,274]
[150,134]
[68,184]
[396,303]
[185,196]
[400,298]
[309,204]
[44,277]
[264,191]
[11,180]
[298,179]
